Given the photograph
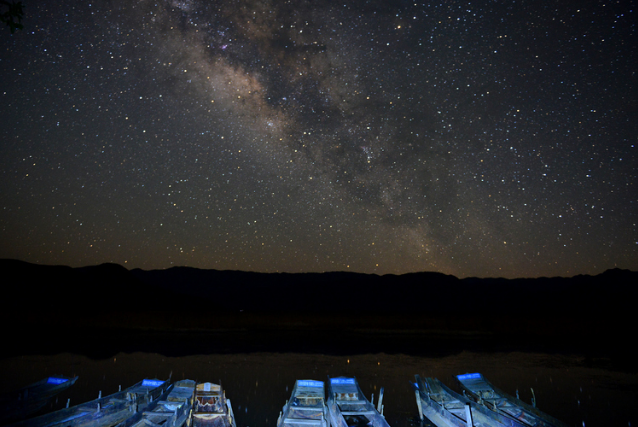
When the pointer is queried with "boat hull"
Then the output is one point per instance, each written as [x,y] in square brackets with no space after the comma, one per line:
[103,412]
[22,403]
[211,408]
[498,401]
[306,407]
[348,407]
[172,409]
[446,408]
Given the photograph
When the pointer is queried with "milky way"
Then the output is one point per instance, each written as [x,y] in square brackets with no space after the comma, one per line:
[472,138]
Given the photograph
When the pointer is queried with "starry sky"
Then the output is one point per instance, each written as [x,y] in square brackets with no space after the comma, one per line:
[483,138]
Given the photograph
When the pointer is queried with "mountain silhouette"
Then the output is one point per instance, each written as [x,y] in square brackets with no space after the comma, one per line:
[104,300]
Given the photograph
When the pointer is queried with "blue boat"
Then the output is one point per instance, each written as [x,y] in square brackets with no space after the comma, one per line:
[211,408]
[172,409]
[20,404]
[446,408]
[348,407]
[498,401]
[103,411]
[306,407]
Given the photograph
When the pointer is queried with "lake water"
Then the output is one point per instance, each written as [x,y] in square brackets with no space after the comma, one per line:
[569,388]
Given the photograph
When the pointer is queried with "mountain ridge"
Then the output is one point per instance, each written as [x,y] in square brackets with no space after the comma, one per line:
[121,289]
[109,306]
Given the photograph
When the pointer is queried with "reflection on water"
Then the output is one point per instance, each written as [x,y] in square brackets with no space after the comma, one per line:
[258,384]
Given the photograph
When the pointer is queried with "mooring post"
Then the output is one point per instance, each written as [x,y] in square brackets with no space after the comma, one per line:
[380,403]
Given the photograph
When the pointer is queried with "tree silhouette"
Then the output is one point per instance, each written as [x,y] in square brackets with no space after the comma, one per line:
[13,14]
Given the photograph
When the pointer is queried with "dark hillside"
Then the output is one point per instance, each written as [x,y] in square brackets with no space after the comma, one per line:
[108,303]
[47,295]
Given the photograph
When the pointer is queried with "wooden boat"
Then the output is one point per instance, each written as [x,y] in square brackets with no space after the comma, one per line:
[348,407]
[20,404]
[103,411]
[306,407]
[211,408]
[493,398]
[446,408]
[172,409]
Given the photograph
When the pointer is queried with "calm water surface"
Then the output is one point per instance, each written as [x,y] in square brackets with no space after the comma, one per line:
[258,384]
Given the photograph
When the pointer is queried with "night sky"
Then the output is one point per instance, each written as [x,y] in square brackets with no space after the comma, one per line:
[487,138]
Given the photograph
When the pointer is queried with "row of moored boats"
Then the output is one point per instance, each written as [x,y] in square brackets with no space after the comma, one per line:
[149,403]
[153,403]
